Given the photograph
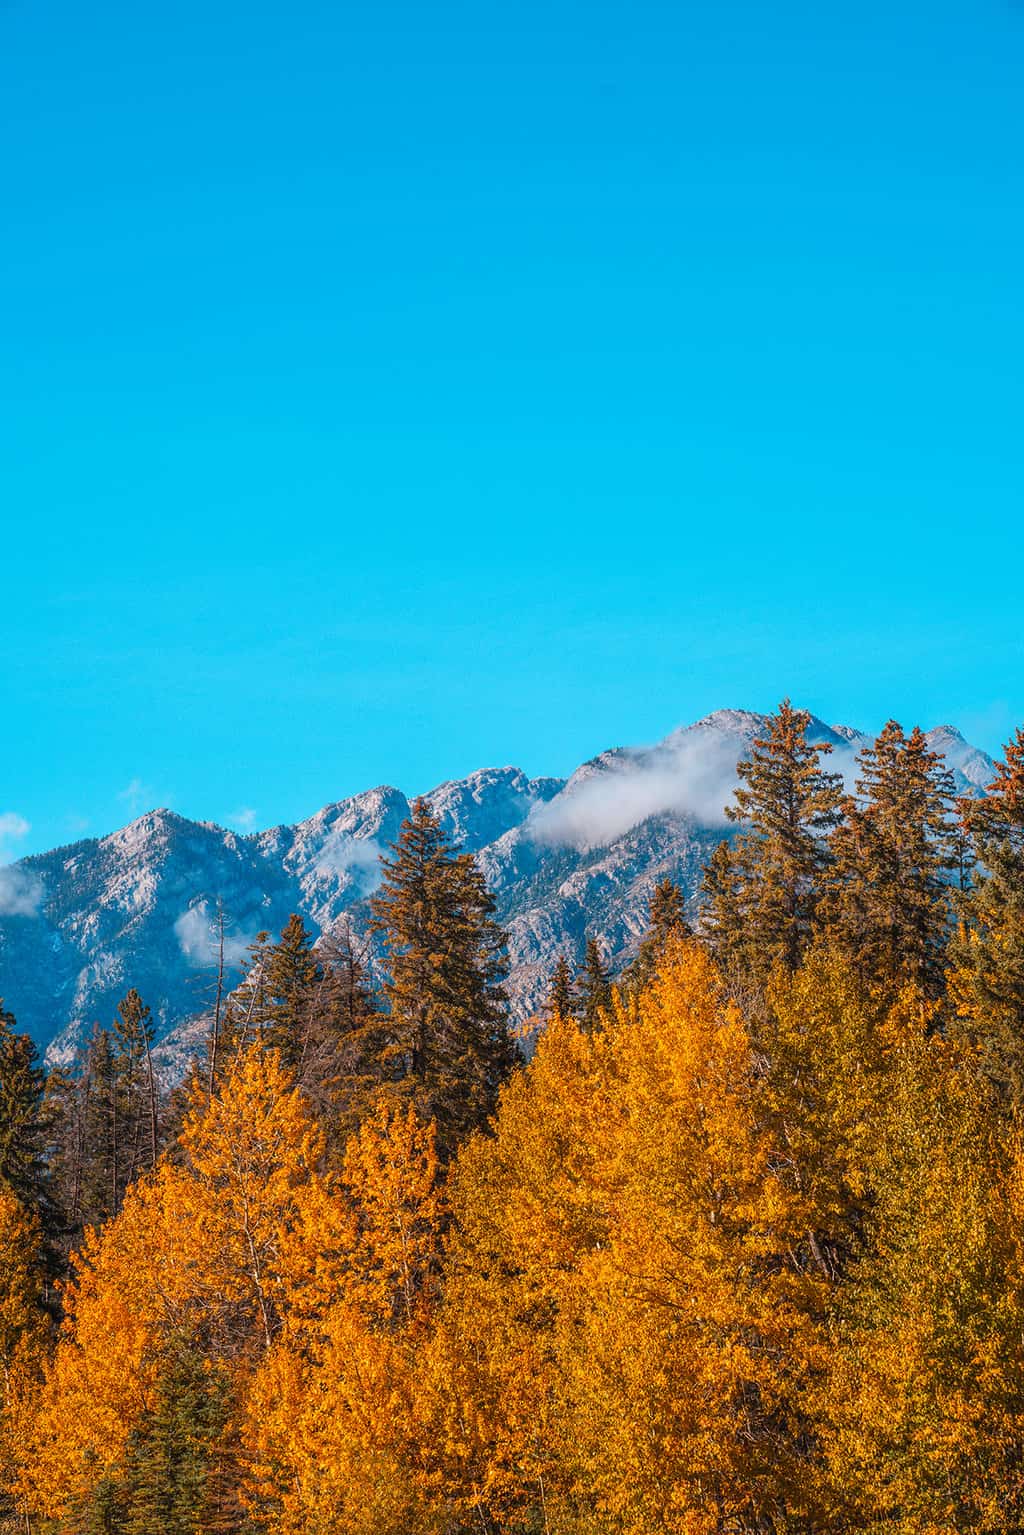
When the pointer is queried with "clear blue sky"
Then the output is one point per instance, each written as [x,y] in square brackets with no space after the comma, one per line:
[387,390]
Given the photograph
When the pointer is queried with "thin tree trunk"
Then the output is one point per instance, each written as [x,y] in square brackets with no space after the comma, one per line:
[215,1042]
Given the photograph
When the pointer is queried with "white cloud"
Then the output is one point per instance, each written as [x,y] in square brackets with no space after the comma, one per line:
[199,941]
[12,827]
[244,819]
[342,853]
[693,774]
[21,892]
[137,796]
[694,777]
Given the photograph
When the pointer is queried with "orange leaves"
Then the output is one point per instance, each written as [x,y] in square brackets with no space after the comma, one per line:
[196,1249]
[22,1325]
[331,1417]
[710,1271]
[390,1178]
[247,1159]
[616,1268]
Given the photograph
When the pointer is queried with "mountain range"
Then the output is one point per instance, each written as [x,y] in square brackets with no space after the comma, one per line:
[564,859]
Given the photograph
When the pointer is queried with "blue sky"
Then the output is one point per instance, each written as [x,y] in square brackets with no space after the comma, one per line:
[390,390]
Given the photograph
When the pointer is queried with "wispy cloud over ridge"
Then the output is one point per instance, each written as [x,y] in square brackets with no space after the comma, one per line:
[199,940]
[693,774]
[343,853]
[138,796]
[21,890]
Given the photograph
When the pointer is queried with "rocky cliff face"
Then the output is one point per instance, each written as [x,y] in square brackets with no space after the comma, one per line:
[564,858]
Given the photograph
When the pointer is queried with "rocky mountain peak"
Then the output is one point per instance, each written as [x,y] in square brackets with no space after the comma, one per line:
[564,858]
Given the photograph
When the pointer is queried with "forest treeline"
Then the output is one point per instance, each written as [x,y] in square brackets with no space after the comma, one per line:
[739,1249]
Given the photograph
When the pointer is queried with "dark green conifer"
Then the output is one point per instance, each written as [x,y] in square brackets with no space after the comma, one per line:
[594,989]
[169,1476]
[561,999]
[347,1061]
[103,1513]
[888,907]
[102,1132]
[761,893]
[24,1125]
[450,1043]
[988,948]
[139,1111]
[666,920]
[293,979]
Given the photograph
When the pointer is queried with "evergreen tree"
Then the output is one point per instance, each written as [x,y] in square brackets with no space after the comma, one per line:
[594,989]
[139,1109]
[887,911]
[987,980]
[762,893]
[723,915]
[294,976]
[167,1483]
[245,1015]
[561,999]
[91,1141]
[103,1511]
[450,1044]
[666,920]
[104,1120]
[102,1131]
[24,1127]
[347,1062]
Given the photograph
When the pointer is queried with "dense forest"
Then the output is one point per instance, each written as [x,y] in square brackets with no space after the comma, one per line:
[736,1244]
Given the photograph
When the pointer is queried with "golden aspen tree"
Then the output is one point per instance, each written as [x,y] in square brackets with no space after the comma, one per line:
[390,1182]
[688,1350]
[986,983]
[250,1155]
[628,1336]
[126,1281]
[23,1328]
[823,1039]
[331,1440]
[527,1204]
[332,1423]
[922,1414]
[197,1250]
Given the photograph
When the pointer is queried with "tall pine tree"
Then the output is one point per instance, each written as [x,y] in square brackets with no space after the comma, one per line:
[666,919]
[294,976]
[593,989]
[762,892]
[450,1045]
[987,980]
[170,1478]
[140,1116]
[561,999]
[24,1127]
[887,911]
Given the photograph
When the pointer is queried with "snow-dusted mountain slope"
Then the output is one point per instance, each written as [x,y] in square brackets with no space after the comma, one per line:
[564,858]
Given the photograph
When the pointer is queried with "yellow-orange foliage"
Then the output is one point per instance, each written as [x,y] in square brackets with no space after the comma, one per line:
[632,1329]
[196,1247]
[923,1407]
[331,1420]
[711,1272]
[22,1326]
